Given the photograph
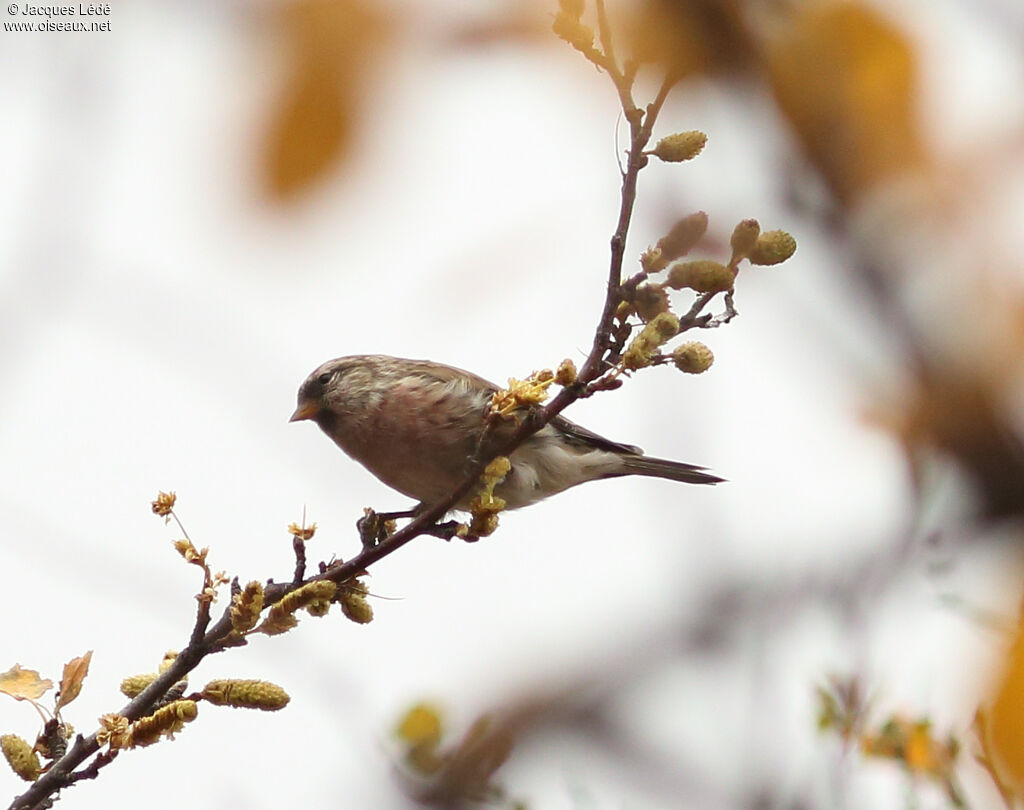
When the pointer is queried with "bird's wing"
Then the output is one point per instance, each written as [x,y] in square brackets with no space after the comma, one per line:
[570,429]
[439,371]
[591,439]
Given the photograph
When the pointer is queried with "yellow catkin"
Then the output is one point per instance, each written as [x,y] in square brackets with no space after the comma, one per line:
[319,609]
[164,722]
[701,275]
[682,237]
[246,607]
[20,756]
[133,685]
[693,357]
[661,328]
[246,694]
[421,725]
[355,607]
[744,239]
[773,247]
[639,353]
[650,301]
[167,660]
[681,146]
[311,592]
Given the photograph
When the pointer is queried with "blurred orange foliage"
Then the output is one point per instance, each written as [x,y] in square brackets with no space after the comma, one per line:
[332,46]
[845,79]
[1006,717]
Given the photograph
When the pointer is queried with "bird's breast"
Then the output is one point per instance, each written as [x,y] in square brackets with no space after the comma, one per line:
[418,437]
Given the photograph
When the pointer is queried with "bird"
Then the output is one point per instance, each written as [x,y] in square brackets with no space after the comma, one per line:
[418,425]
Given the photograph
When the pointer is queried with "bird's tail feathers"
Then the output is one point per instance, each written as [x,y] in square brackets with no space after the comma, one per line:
[663,468]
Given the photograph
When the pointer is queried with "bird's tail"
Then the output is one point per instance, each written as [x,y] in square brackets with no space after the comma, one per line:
[663,468]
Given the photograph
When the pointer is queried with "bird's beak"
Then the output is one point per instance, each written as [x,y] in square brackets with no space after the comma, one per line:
[306,410]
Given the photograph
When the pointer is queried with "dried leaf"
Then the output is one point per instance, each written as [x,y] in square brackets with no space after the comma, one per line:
[845,78]
[689,37]
[330,44]
[311,132]
[75,671]
[1006,717]
[24,684]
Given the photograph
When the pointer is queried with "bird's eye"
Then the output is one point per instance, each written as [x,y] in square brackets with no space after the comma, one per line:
[324,378]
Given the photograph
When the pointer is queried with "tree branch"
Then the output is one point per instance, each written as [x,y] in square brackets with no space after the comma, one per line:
[205,639]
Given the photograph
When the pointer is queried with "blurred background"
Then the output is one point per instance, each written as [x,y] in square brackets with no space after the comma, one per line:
[205,202]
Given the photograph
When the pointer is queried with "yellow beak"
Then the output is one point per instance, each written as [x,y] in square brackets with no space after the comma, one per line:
[306,410]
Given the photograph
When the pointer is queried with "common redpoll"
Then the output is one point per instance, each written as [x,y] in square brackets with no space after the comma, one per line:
[417,426]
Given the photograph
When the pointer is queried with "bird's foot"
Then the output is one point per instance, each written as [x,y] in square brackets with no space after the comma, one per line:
[450,529]
[375,527]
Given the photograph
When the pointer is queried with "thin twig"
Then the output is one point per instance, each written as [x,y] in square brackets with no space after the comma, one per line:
[299,547]
[693,316]
[94,767]
[202,618]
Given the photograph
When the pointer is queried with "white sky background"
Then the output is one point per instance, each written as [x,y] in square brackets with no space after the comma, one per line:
[157,317]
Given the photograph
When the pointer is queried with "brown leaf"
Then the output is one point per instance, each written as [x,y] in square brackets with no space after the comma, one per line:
[1006,717]
[75,671]
[24,684]
[311,132]
[330,45]
[845,78]
[689,37]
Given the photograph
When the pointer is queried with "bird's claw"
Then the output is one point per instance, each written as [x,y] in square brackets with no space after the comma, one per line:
[449,529]
[376,527]
[373,528]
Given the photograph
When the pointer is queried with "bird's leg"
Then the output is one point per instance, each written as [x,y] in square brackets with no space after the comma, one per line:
[405,513]
[369,527]
[450,529]
[373,526]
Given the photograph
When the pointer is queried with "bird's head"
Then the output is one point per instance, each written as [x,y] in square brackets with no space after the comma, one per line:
[340,386]
[322,389]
